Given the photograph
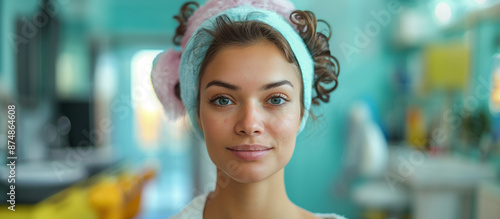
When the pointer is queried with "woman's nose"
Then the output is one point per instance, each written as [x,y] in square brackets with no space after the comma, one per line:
[250,120]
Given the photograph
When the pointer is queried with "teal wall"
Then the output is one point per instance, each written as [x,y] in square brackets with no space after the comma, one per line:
[316,165]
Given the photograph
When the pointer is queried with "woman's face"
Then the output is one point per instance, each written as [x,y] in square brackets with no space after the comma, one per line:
[250,110]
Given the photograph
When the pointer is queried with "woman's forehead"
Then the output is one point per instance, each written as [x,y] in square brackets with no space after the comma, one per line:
[258,63]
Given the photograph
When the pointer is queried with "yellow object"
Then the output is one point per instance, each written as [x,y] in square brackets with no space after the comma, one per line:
[120,198]
[22,212]
[102,197]
[495,93]
[415,130]
[447,65]
[106,199]
[70,203]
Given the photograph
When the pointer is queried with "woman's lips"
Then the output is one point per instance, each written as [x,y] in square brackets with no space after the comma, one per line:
[250,152]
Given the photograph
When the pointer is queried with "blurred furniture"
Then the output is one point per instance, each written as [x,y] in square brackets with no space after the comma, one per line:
[488,201]
[37,180]
[441,187]
[367,157]
[380,200]
[112,194]
[94,158]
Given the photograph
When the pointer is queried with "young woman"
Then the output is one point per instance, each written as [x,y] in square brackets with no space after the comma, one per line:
[247,72]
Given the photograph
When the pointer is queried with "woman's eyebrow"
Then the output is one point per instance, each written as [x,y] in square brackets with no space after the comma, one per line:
[235,87]
[276,84]
[222,84]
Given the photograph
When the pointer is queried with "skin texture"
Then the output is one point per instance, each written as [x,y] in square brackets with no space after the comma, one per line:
[250,114]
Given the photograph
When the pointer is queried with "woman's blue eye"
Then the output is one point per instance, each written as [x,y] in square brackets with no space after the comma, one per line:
[276,100]
[223,101]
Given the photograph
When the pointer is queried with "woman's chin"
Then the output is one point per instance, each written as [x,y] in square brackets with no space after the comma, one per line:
[250,174]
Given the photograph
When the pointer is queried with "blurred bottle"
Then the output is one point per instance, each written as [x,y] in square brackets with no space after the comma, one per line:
[415,128]
[494,102]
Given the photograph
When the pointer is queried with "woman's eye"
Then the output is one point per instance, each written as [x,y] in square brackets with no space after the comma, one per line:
[276,100]
[223,101]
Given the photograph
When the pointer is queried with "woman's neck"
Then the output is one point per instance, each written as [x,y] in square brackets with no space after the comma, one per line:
[263,199]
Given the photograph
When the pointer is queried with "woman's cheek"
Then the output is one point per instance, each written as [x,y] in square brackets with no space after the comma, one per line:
[213,130]
[285,121]
[216,123]
[284,132]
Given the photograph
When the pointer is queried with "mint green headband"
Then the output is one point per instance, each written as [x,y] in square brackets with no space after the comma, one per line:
[198,44]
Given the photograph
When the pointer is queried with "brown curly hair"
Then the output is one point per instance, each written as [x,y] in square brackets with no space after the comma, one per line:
[227,32]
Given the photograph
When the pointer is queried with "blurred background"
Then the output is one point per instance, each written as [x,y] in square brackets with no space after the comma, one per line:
[411,132]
